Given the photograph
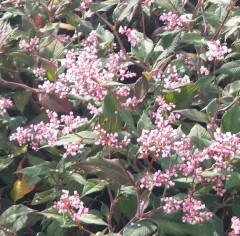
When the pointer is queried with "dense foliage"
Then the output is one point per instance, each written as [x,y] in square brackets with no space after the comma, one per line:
[119,117]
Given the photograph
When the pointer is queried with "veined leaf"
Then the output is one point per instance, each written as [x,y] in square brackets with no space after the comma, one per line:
[21,188]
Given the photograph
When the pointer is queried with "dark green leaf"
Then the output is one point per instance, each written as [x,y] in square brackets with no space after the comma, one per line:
[106,169]
[142,227]
[231,119]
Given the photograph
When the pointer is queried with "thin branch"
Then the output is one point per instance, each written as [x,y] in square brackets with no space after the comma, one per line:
[199,3]
[18,85]
[236,99]
[230,7]
[113,28]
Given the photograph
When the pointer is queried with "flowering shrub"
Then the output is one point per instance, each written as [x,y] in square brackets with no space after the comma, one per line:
[119,117]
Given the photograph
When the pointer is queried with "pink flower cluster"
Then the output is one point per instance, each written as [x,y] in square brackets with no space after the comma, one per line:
[187,60]
[171,79]
[132,103]
[109,140]
[40,134]
[130,33]
[216,50]
[193,210]
[84,5]
[172,21]
[71,204]
[29,46]
[86,75]
[235,226]
[39,72]
[204,70]
[158,179]
[159,141]
[147,2]
[17,3]
[5,103]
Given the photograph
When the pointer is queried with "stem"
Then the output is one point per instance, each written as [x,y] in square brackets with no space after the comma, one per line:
[135,187]
[133,220]
[113,28]
[199,3]
[143,22]
[172,5]
[86,230]
[18,85]
[109,217]
[236,99]
[230,7]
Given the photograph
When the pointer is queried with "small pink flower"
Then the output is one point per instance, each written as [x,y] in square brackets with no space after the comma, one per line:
[147,2]
[130,33]
[216,50]
[29,45]
[5,103]
[204,70]
[235,226]
[172,21]
[71,204]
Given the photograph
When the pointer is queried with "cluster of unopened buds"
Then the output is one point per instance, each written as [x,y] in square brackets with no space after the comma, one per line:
[110,140]
[147,2]
[216,50]
[172,21]
[194,211]
[130,33]
[235,226]
[84,4]
[48,133]
[5,103]
[29,45]
[71,204]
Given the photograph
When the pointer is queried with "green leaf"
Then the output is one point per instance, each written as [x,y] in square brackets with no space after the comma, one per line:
[212,108]
[172,224]
[125,9]
[22,58]
[232,90]
[127,200]
[144,122]
[41,170]
[126,116]
[53,49]
[193,114]
[222,2]
[92,219]
[141,88]
[86,137]
[143,50]
[231,68]
[84,26]
[169,42]
[233,181]
[21,99]
[200,138]
[187,92]
[110,117]
[46,196]
[192,38]
[5,162]
[231,119]
[105,169]
[92,186]
[142,227]
[17,217]
[74,181]
[103,5]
